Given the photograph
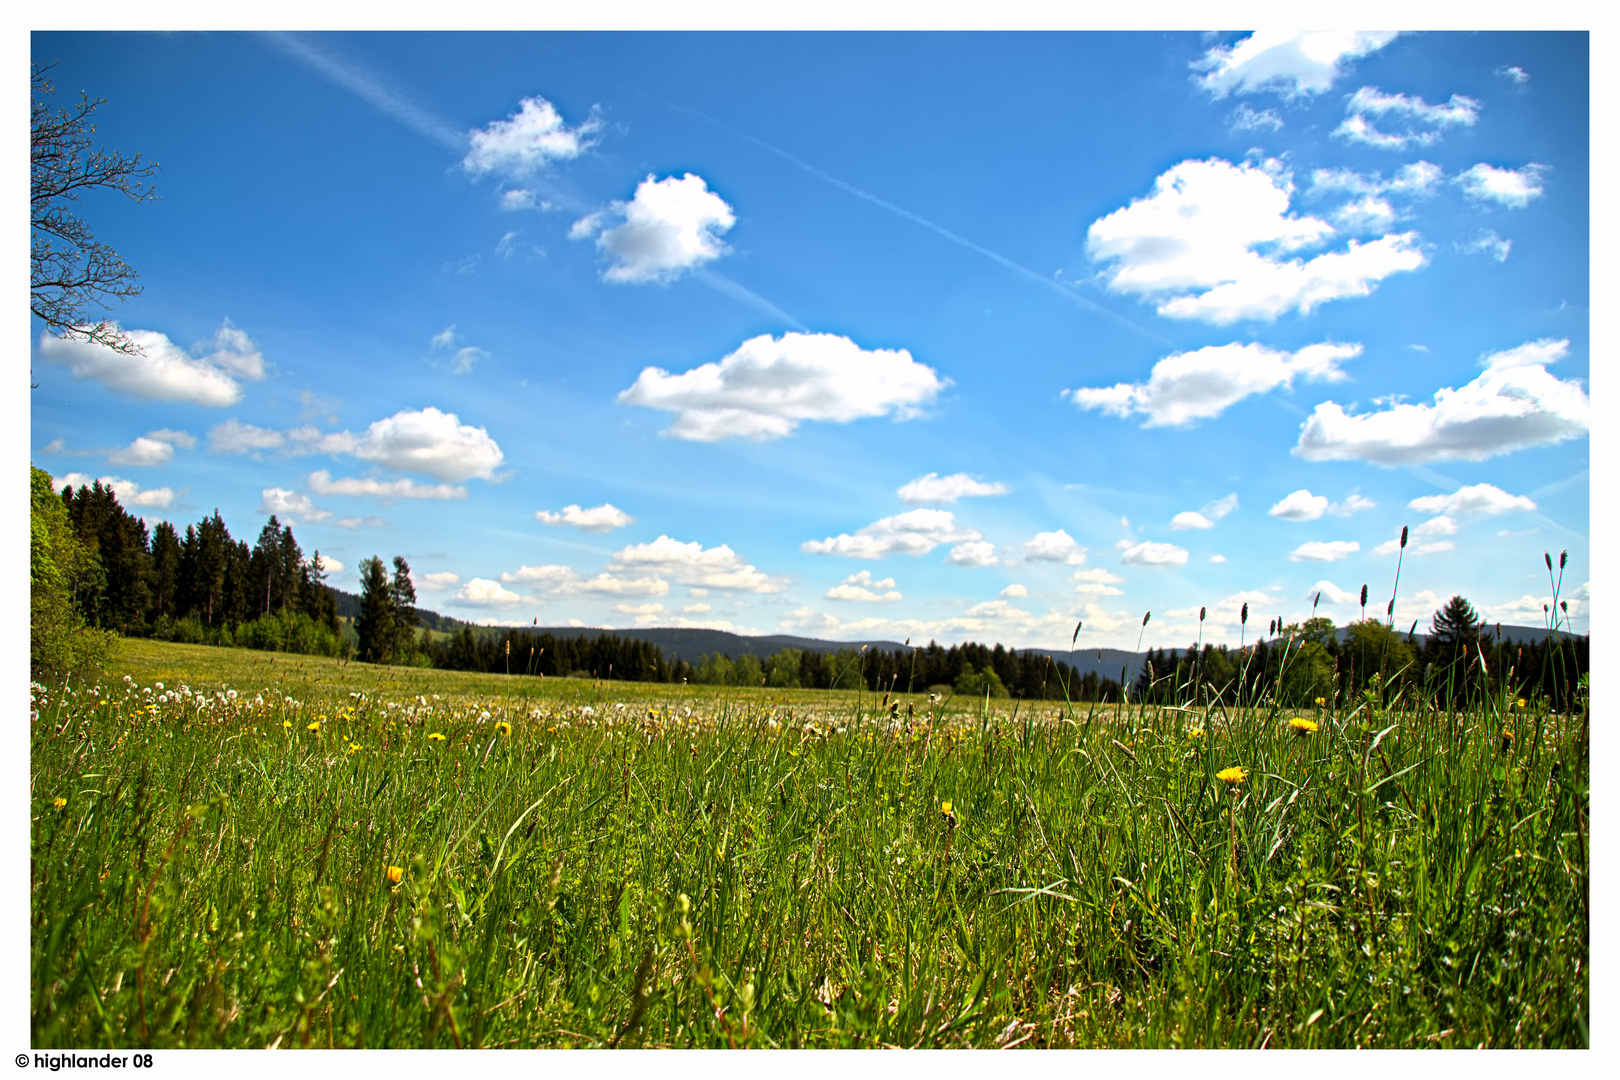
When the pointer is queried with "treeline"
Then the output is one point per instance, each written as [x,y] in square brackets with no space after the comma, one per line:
[200,586]
[969,669]
[1458,661]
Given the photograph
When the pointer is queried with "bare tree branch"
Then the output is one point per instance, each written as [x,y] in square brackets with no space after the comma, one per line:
[71,269]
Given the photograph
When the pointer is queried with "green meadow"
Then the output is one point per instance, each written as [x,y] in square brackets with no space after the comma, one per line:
[245,849]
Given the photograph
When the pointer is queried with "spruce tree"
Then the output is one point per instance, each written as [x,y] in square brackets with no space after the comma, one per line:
[375,624]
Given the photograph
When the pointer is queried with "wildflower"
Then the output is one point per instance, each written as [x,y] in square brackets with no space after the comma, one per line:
[1233,775]
[353,747]
[315,726]
[394,873]
[435,737]
[1321,701]
[1302,726]
[503,728]
[59,802]
[1195,733]
[284,723]
[949,813]
[1521,703]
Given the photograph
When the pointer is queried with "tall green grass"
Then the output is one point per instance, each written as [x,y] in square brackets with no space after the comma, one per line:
[670,866]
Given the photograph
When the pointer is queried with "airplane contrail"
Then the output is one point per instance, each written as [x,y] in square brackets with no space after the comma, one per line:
[918,219]
[372,90]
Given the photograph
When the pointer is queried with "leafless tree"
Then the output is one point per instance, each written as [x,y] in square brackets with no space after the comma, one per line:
[71,268]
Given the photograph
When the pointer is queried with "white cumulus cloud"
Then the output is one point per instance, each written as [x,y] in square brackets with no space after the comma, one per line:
[597,519]
[291,504]
[145,450]
[1324,550]
[934,488]
[162,370]
[1097,582]
[915,532]
[693,564]
[769,386]
[1151,553]
[1331,593]
[527,140]
[481,592]
[972,553]
[432,442]
[436,582]
[1206,517]
[235,437]
[549,576]
[669,227]
[1198,385]
[1301,505]
[1213,242]
[861,587]
[1506,187]
[1413,121]
[1057,547]
[1515,403]
[128,492]
[321,483]
[1288,62]
[1473,499]
[1013,592]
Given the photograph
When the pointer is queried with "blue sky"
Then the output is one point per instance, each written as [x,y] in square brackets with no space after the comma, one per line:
[949,336]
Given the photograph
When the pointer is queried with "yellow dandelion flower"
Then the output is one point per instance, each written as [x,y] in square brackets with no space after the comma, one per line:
[503,728]
[435,737]
[394,873]
[286,723]
[59,802]
[1521,703]
[1233,775]
[315,726]
[353,747]
[1321,701]
[1302,726]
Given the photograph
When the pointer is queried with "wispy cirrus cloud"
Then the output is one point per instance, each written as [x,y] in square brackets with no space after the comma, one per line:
[1414,121]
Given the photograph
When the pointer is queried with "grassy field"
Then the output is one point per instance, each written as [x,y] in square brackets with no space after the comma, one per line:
[233,848]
